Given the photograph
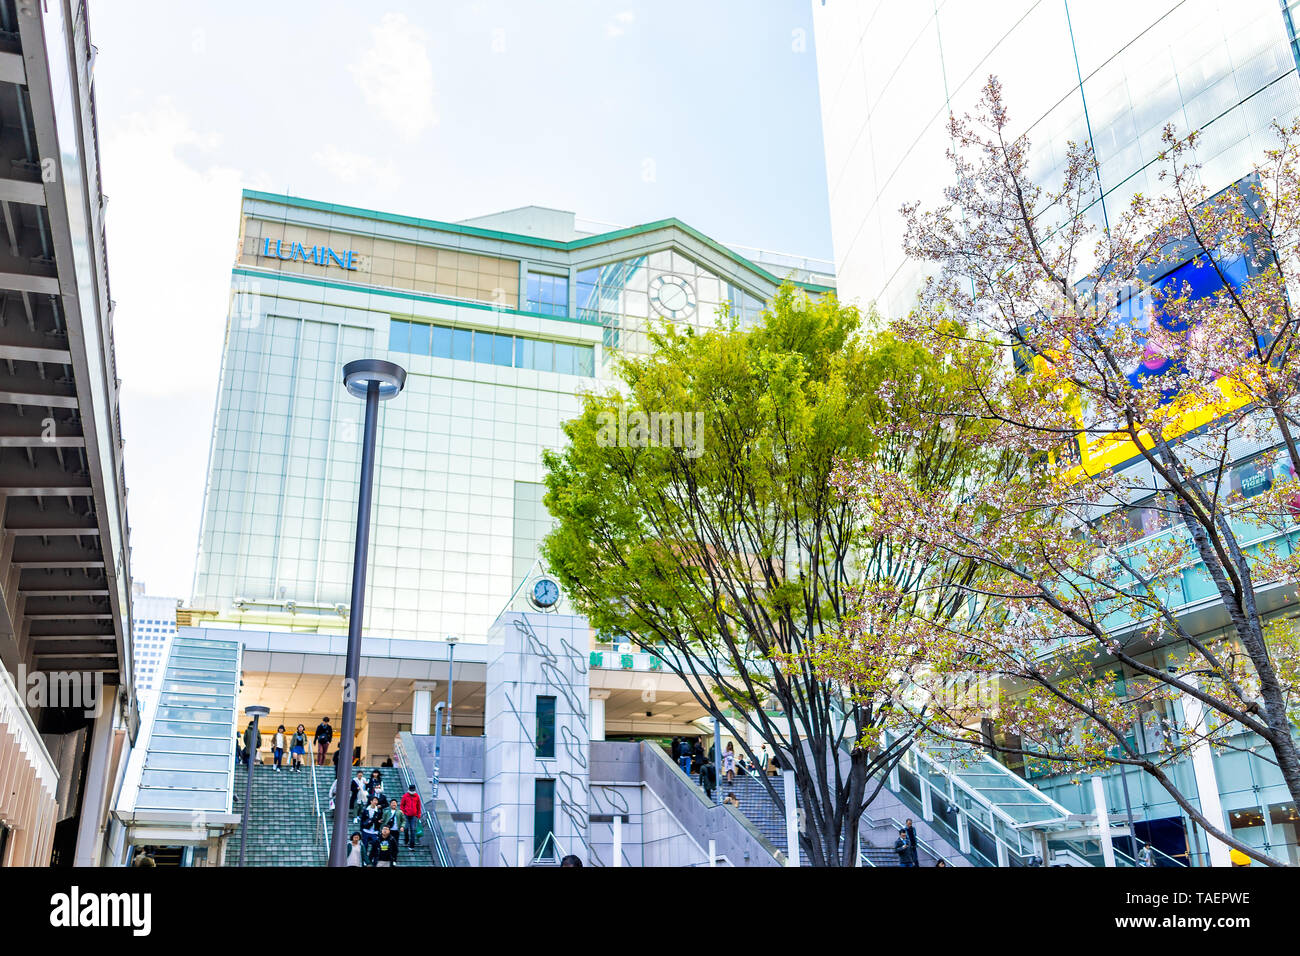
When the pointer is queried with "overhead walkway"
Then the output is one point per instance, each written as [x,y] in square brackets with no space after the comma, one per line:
[180,784]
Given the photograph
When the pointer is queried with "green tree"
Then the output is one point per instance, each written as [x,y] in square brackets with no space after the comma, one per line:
[696,515]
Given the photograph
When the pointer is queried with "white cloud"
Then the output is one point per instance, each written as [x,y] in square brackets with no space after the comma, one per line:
[619,24]
[396,76]
[171,229]
[349,167]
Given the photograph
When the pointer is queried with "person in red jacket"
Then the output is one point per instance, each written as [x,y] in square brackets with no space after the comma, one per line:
[412,810]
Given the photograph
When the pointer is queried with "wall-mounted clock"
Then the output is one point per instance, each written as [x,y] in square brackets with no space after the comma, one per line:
[672,296]
[545,594]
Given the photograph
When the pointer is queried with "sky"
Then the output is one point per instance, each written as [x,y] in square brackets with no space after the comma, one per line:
[623,112]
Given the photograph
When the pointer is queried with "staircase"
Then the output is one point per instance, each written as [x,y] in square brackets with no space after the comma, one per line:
[881,855]
[757,806]
[283,829]
[394,787]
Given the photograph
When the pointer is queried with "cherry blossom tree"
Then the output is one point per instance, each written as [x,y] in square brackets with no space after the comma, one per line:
[1136,360]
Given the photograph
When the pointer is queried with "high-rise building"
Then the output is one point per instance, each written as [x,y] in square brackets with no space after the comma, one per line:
[501,322]
[1108,75]
[153,626]
[1103,73]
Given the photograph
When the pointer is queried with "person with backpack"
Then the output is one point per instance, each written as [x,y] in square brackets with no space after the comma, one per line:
[368,823]
[297,749]
[252,743]
[393,820]
[385,852]
[324,734]
[412,810]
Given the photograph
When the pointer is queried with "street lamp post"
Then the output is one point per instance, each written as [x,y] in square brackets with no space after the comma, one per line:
[255,711]
[451,676]
[375,381]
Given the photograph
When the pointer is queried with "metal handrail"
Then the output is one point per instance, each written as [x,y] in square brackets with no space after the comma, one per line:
[559,849]
[436,839]
[897,825]
[320,811]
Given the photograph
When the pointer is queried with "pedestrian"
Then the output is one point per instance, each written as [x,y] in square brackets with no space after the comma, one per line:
[358,787]
[684,755]
[729,762]
[393,819]
[941,862]
[375,787]
[241,755]
[763,760]
[708,779]
[298,748]
[356,852]
[571,860]
[412,810]
[1146,856]
[731,801]
[697,755]
[368,824]
[278,746]
[903,848]
[252,742]
[385,852]
[324,734]
[911,841]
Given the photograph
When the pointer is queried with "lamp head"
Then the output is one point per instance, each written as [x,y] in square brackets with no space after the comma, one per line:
[257,710]
[358,375]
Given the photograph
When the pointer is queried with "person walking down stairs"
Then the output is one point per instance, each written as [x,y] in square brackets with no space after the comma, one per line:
[324,734]
[298,749]
[356,853]
[278,746]
[393,820]
[385,853]
[412,811]
[252,742]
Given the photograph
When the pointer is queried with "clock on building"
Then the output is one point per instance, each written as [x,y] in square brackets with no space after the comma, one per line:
[545,594]
[672,296]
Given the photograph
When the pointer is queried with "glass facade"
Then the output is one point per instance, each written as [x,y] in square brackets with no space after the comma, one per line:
[492,376]
[1106,73]
[548,294]
[491,348]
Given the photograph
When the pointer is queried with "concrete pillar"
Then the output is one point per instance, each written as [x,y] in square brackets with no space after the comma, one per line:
[1207,785]
[596,714]
[94,801]
[1103,820]
[791,818]
[422,708]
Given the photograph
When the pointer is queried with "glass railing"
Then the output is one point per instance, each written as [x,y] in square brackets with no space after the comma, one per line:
[442,855]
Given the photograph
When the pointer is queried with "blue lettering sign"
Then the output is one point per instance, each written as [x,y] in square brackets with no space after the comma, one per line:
[316,255]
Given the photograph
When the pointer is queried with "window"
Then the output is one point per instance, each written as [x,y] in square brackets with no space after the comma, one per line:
[462,344]
[544,818]
[546,727]
[548,295]
[399,337]
[489,348]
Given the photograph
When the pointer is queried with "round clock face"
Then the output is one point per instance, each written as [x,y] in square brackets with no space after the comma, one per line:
[672,296]
[545,593]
